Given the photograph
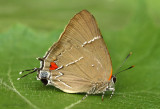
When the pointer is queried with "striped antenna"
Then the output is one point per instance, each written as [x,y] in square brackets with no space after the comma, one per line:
[117,72]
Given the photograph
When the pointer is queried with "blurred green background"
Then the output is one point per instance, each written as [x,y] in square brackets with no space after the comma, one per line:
[29,27]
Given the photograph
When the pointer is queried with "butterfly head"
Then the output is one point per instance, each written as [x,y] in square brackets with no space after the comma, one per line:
[111,84]
[43,76]
[113,79]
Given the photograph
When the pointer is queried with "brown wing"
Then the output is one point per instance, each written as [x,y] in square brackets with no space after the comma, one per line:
[81,55]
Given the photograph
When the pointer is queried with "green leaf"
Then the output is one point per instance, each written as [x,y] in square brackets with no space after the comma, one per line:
[131,26]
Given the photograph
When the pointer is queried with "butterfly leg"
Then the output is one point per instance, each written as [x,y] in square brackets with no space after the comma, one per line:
[112,94]
[85,97]
[103,95]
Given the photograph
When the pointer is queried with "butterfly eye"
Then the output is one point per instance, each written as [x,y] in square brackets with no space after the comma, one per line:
[114,79]
[44,81]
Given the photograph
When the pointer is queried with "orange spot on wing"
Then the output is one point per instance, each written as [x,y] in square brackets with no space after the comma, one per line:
[53,66]
[110,75]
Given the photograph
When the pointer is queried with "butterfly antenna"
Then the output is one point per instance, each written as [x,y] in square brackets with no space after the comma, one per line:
[124,70]
[26,70]
[123,64]
[32,71]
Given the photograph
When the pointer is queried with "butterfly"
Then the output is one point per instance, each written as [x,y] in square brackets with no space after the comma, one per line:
[79,62]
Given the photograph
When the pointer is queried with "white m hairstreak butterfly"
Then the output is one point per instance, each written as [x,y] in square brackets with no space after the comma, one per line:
[79,62]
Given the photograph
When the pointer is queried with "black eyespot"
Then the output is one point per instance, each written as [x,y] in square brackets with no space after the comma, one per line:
[44,81]
[114,79]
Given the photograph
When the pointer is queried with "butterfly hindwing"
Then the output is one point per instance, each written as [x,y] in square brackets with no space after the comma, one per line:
[80,54]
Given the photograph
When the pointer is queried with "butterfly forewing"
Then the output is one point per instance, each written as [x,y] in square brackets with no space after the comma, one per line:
[80,54]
